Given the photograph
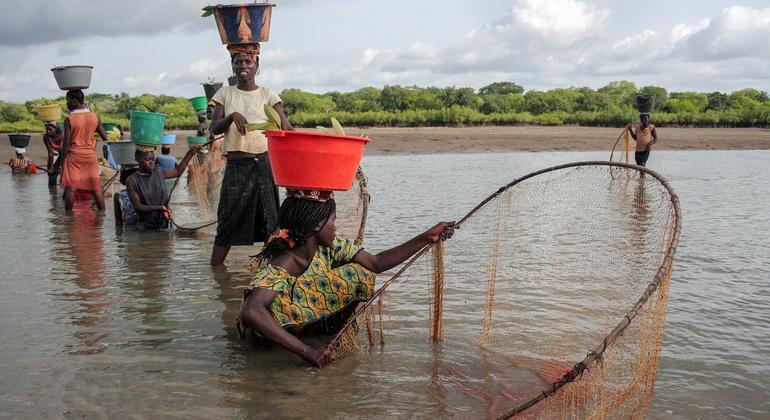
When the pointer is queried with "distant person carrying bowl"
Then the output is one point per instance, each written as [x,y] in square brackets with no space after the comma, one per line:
[248,204]
[645,136]
[80,170]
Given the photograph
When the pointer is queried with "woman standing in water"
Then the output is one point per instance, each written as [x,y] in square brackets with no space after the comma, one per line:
[80,170]
[248,203]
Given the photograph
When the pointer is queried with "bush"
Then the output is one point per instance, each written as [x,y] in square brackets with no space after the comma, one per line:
[549,119]
[500,103]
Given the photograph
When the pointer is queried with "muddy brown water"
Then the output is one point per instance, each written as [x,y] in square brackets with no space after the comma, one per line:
[100,322]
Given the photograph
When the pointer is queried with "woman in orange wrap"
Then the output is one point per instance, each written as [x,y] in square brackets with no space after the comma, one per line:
[80,170]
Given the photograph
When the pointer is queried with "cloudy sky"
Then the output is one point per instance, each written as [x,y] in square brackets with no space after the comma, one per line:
[150,46]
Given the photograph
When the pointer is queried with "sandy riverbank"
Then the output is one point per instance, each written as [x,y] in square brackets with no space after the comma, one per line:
[427,140]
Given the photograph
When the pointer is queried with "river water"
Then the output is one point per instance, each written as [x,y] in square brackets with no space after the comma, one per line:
[103,322]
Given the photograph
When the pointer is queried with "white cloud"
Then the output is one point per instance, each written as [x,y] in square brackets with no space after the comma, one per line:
[739,32]
[368,56]
[684,30]
[165,47]
[559,20]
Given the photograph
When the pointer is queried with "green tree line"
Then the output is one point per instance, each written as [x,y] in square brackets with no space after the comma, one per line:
[499,103]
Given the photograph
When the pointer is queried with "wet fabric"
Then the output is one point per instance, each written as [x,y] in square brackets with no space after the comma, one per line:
[151,189]
[641,157]
[80,169]
[329,284]
[126,208]
[248,202]
[19,165]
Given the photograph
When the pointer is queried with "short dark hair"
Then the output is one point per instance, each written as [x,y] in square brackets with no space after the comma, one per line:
[165,150]
[139,154]
[76,95]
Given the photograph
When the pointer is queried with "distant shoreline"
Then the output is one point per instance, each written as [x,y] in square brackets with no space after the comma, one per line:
[436,140]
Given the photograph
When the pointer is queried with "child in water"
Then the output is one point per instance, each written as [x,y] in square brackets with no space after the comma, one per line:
[147,189]
[310,278]
[20,163]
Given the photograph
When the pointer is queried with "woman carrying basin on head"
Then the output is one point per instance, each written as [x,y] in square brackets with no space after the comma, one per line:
[80,170]
[248,203]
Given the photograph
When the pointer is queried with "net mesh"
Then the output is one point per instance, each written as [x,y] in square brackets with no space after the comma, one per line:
[194,196]
[549,301]
[352,208]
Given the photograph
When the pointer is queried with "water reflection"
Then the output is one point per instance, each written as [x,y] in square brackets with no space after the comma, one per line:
[166,319]
[145,266]
[80,251]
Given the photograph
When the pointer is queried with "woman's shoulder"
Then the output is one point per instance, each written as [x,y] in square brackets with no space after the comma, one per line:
[271,277]
[341,250]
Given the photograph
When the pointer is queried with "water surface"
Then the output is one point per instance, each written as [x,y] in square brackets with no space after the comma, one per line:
[104,322]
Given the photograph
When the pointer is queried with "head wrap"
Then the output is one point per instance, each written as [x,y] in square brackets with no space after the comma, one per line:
[250,49]
[312,195]
[20,150]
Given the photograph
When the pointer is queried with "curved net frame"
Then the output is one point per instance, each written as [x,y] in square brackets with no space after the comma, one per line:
[548,301]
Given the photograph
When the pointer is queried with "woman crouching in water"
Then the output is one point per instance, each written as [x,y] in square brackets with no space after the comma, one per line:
[309,277]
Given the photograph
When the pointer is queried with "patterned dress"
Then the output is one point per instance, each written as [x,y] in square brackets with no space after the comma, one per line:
[20,165]
[329,284]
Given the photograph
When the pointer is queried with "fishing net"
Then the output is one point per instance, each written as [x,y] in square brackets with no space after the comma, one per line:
[549,301]
[352,208]
[194,196]
[623,147]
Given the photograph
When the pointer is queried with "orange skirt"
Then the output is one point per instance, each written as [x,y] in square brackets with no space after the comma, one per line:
[81,171]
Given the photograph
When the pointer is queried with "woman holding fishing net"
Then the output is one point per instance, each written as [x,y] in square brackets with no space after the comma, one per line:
[310,280]
[146,189]
[248,203]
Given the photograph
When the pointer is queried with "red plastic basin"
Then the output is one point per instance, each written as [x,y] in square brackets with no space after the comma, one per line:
[314,161]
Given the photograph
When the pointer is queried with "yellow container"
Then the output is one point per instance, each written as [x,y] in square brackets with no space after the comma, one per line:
[50,112]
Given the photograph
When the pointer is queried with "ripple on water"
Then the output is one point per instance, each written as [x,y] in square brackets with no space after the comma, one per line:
[120,324]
